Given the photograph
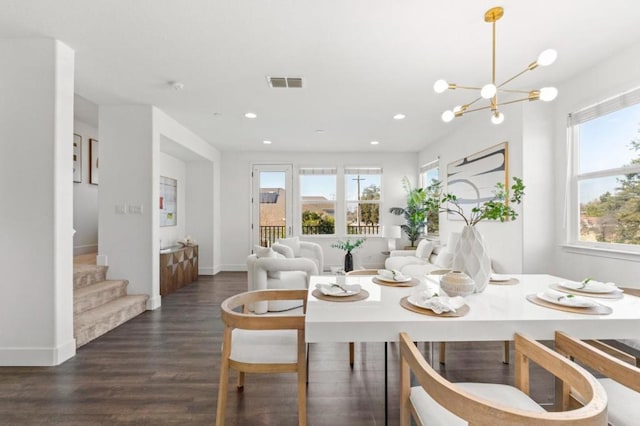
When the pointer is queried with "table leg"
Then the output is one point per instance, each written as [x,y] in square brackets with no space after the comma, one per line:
[386,379]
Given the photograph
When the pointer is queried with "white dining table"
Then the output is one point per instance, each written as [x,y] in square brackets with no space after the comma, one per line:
[495,314]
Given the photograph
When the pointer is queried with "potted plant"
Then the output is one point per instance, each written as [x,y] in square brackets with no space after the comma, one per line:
[415,213]
[348,246]
[470,254]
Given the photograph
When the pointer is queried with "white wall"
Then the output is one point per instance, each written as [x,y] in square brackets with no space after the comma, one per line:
[174,168]
[36,187]
[236,207]
[85,197]
[609,78]
[200,194]
[471,134]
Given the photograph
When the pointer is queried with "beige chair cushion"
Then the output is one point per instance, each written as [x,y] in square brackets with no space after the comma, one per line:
[264,346]
[433,414]
[624,403]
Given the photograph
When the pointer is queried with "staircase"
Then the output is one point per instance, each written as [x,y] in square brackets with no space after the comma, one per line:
[100,305]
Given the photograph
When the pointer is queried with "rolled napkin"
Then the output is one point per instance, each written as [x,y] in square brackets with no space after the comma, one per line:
[434,298]
[590,286]
[554,296]
[392,274]
[333,289]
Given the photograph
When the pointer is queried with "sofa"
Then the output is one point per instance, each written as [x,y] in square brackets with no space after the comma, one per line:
[426,258]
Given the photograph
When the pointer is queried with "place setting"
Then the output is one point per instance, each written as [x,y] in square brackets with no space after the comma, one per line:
[430,299]
[590,288]
[568,302]
[334,292]
[394,278]
[500,279]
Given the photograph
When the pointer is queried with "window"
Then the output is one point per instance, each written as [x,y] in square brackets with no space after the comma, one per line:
[429,174]
[606,173]
[363,194]
[318,200]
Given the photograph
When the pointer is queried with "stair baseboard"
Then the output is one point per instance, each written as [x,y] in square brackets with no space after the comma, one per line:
[98,321]
[94,295]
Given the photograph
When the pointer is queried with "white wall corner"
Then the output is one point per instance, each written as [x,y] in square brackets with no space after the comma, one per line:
[154,303]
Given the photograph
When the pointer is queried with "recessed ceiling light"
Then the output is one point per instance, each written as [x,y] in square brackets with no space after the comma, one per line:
[374,142]
[266,142]
[251,115]
[399,117]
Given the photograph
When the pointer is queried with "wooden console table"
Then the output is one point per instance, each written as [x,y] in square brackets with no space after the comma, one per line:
[178,267]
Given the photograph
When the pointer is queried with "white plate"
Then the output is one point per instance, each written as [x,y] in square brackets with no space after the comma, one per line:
[452,302]
[595,287]
[391,280]
[567,300]
[335,291]
[499,278]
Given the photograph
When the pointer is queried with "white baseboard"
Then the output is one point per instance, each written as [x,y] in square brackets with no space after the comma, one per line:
[37,357]
[216,270]
[86,249]
[154,303]
[206,271]
[234,268]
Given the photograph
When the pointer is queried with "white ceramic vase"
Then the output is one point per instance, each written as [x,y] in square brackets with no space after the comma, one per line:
[470,256]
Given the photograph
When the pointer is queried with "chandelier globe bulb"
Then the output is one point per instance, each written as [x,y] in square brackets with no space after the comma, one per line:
[497,117]
[547,94]
[440,86]
[547,57]
[488,91]
[447,116]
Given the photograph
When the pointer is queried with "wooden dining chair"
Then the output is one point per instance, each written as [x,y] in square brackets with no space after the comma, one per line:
[439,402]
[621,381]
[262,344]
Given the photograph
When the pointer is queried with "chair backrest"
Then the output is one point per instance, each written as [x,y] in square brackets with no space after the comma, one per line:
[235,311]
[480,411]
[616,369]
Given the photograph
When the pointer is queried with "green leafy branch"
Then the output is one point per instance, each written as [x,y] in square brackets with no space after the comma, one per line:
[499,208]
[347,245]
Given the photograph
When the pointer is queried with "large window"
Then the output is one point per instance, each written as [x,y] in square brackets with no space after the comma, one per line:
[363,195]
[606,173]
[429,174]
[318,200]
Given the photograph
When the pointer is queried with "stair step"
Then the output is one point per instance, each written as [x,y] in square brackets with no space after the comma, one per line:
[94,295]
[96,322]
[84,275]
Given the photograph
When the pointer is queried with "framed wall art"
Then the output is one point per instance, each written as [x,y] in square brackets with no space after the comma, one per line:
[168,201]
[77,158]
[94,161]
[472,179]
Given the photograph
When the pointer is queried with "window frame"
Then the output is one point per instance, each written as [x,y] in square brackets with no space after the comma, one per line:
[321,171]
[574,177]
[361,171]
[424,170]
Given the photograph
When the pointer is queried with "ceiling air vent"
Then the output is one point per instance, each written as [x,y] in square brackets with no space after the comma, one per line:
[285,82]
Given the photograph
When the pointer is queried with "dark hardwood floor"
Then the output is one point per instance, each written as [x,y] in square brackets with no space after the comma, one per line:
[162,367]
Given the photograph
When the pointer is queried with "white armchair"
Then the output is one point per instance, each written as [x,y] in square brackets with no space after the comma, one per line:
[278,273]
[294,248]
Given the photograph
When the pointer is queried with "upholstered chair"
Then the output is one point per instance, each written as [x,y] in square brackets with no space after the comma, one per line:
[270,272]
[436,401]
[294,248]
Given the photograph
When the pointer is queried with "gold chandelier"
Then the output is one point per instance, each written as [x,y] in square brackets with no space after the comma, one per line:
[490,91]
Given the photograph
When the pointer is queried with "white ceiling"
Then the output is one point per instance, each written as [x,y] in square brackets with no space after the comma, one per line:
[363,60]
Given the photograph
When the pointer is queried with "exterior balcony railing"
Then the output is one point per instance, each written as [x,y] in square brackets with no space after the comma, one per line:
[269,234]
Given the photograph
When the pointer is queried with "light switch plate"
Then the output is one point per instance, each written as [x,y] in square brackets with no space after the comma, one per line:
[120,209]
[134,208]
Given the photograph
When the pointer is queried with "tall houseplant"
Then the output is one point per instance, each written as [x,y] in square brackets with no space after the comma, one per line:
[348,246]
[470,254]
[415,213]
